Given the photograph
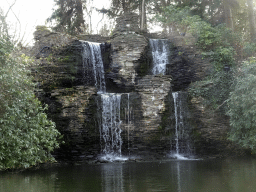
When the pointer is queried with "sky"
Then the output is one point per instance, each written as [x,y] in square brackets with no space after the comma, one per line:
[35,12]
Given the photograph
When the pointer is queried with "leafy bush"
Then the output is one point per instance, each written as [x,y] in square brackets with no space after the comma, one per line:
[221,57]
[249,49]
[214,89]
[242,107]
[26,135]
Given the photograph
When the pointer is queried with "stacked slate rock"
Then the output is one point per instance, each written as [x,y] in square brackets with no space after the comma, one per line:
[127,22]
[128,46]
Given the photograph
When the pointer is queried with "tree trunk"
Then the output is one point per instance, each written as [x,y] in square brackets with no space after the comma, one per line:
[228,16]
[80,16]
[124,6]
[143,16]
[251,19]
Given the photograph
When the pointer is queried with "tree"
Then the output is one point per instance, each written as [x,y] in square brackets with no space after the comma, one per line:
[217,11]
[119,7]
[89,9]
[26,135]
[68,16]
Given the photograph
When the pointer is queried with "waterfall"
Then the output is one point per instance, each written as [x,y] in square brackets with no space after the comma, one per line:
[110,103]
[110,131]
[92,59]
[182,143]
[177,121]
[160,53]
[110,126]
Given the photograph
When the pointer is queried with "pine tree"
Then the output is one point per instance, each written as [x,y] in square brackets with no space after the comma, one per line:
[68,16]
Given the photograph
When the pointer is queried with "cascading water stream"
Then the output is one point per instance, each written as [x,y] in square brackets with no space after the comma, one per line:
[94,61]
[182,143]
[160,53]
[110,130]
[175,95]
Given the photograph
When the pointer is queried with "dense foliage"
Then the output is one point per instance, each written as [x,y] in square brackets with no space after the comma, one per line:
[242,106]
[26,135]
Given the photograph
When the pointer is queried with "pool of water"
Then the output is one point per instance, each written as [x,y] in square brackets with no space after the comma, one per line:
[234,175]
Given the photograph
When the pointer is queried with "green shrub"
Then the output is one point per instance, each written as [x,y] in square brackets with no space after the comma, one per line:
[221,57]
[214,89]
[242,107]
[249,49]
[26,135]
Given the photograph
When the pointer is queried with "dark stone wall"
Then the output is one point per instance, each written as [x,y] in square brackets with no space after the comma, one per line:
[72,101]
[93,38]
[186,66]
[74,112]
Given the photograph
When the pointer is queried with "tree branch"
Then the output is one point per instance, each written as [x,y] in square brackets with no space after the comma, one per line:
[220,105]
[10,9]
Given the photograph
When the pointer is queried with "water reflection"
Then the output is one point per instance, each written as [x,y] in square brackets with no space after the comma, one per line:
[112,177]
[13,182]
[180,176]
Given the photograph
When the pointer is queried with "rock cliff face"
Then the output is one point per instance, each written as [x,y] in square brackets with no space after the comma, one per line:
[71,101]
[146,106]
[211,131]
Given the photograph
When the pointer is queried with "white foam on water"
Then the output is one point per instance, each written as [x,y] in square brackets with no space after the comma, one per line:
[179,157]
[182,157]
[113,157]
